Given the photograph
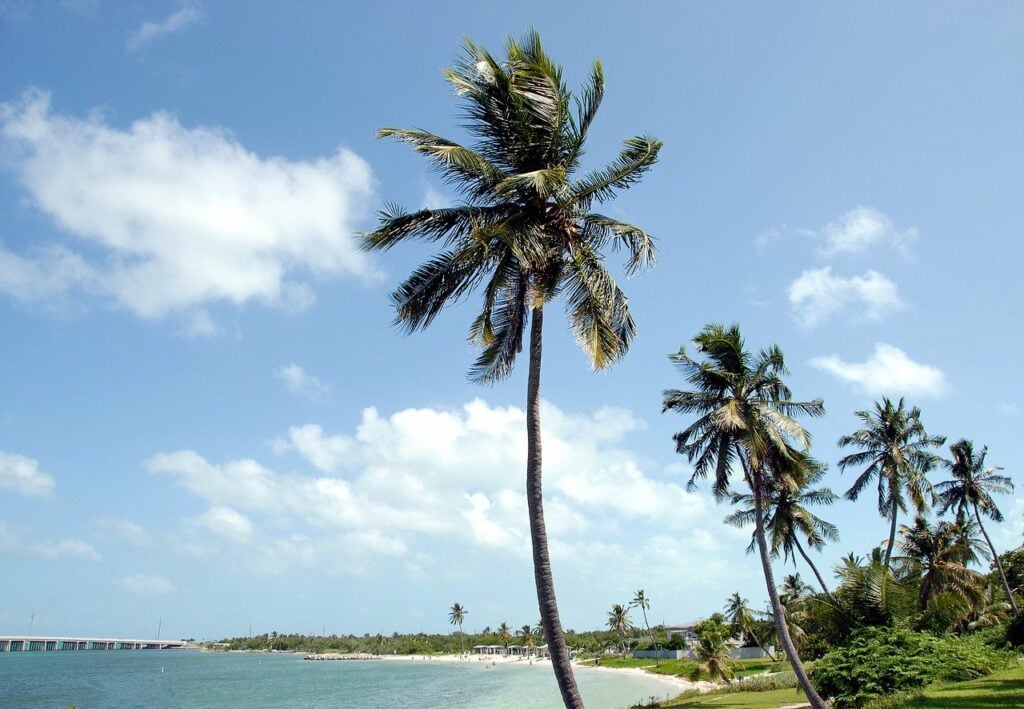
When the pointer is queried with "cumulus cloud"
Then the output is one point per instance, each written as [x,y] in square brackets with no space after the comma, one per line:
[818,294]
[888,371]
[862,228]
[141,583]
[227,524]
[130,532]
[442,473]
[176,218]
[177,21]
[22,475]
[299,382]
[433,198]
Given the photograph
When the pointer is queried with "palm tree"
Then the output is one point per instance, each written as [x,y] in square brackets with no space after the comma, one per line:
[793,588]
[744,414]
[641,601]
[787,516]
[739,615]
[618,620]
[504,634]
[525,232]
[456,615]
[712,654]
[526,633]
[939,556]
[895,447]
[971,490]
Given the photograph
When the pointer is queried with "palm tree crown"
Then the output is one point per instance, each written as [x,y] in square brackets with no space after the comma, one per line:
[525,231]
[896,449]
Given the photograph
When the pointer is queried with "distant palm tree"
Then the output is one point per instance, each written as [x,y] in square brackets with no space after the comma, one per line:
[971,490]
[641,601]
[739,615]
[526,633]
[504,634]
[618,620]
[793,588]
[896,450]
[525,233]
[787,515]
[456,615]
[744,412]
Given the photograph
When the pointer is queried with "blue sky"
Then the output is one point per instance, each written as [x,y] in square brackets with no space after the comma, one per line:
[207,419]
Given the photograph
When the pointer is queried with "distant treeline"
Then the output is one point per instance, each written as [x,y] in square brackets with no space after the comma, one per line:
[429,643]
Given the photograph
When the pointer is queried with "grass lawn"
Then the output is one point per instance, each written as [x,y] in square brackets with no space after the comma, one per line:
[742,700]
[999,689]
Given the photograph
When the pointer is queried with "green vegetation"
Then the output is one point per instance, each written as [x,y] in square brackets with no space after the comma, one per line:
[524,232]
[882,661]
[999,689]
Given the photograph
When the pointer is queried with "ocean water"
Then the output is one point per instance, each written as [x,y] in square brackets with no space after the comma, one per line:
[184,678]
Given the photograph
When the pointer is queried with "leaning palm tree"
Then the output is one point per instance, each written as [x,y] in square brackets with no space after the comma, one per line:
[456,615]
[788,517]
[641,601]
[744,412]
[712,654]
[524,232]
[971,490]
[896,450]
[739,615]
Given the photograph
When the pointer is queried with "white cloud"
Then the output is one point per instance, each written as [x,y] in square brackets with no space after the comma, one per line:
[148,31]
[299,382]
[227,524]
[11,542]
[433,198]
[141,583]
[862,228]
[22,475]
[177,218]
[441,473]
[818,294]
[888,371]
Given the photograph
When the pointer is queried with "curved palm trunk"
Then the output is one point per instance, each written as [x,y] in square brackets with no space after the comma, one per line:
[814,569]
[761,645]
[538,533]
[999,564]
[892,534]
[462,646]
[648,626]
[780,623]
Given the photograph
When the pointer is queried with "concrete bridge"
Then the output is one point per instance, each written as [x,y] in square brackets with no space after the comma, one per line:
[30,643]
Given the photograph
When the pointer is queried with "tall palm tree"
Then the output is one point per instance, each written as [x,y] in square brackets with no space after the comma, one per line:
[744,412]
[618,620]
[971,490]
[524,232]
[456,615]
[896,450]
[641,601]
[787,515]
[527,634]
[739,615]
[504,634]
[793,588]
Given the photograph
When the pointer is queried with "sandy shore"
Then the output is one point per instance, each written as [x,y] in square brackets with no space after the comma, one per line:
[677,684]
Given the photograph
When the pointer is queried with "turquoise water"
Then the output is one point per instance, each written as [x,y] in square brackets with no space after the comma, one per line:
[183,678]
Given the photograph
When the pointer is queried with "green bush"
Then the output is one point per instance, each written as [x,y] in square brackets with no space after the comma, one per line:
[883,661]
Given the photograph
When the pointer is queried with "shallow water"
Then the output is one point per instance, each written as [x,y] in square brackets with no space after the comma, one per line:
[183,678]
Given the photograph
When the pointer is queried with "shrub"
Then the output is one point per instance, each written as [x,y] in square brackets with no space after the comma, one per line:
[1015,631]
[882,661]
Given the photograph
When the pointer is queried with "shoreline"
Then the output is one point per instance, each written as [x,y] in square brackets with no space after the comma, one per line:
[675,682]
